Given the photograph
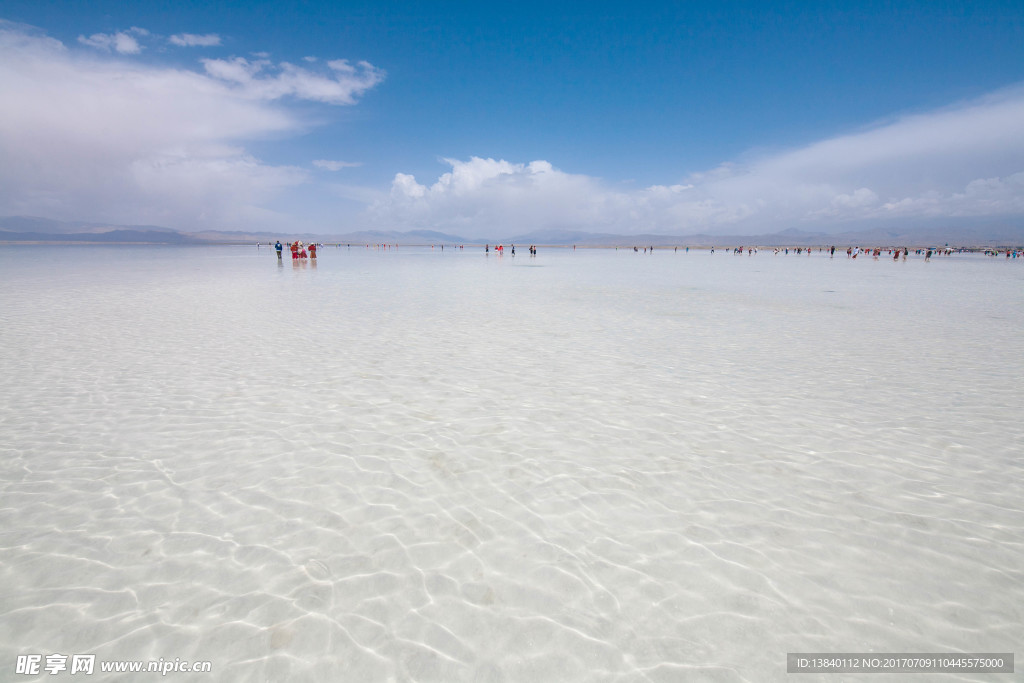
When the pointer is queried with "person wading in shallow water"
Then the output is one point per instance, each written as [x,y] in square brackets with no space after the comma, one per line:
[278,248]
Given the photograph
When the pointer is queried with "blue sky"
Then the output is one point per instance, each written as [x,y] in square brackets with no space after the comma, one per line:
[501,118]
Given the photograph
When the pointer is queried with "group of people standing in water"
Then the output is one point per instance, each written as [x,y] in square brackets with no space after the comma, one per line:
[500,250]
[298,249]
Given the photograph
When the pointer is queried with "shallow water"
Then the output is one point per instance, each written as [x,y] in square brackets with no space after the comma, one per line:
[423,465]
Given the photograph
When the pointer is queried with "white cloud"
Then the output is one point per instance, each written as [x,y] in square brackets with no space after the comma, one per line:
[494,197]
[193,40]
[226,189]
[405,187]
[124,42]
[102,137]
[961,161]
[328,165]
[262,80]
[487,194]
[237,69]
[980,197]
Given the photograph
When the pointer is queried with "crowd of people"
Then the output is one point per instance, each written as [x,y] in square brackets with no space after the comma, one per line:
[298,250]
[499,249]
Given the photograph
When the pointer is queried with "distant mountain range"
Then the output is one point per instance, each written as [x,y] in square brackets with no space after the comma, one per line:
[33,229]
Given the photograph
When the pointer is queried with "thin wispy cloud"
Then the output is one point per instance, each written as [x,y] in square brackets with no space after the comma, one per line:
[124,42]
[342,83]
[329,165]
[193,40]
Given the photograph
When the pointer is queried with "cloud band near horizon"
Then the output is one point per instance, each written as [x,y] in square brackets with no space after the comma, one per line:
[963,161]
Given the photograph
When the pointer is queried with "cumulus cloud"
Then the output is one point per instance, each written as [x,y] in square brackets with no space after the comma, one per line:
[94,136]
[488,196]
[260,79]
[962,161]
[193,40]
[328,165]
[124,42]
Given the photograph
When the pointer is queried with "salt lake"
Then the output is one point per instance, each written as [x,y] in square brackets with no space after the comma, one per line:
[422,465]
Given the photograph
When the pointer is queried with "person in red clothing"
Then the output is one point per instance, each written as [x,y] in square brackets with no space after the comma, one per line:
[312,250]
[295,249]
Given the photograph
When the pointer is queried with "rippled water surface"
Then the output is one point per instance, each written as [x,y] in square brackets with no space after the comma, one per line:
[440,466]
